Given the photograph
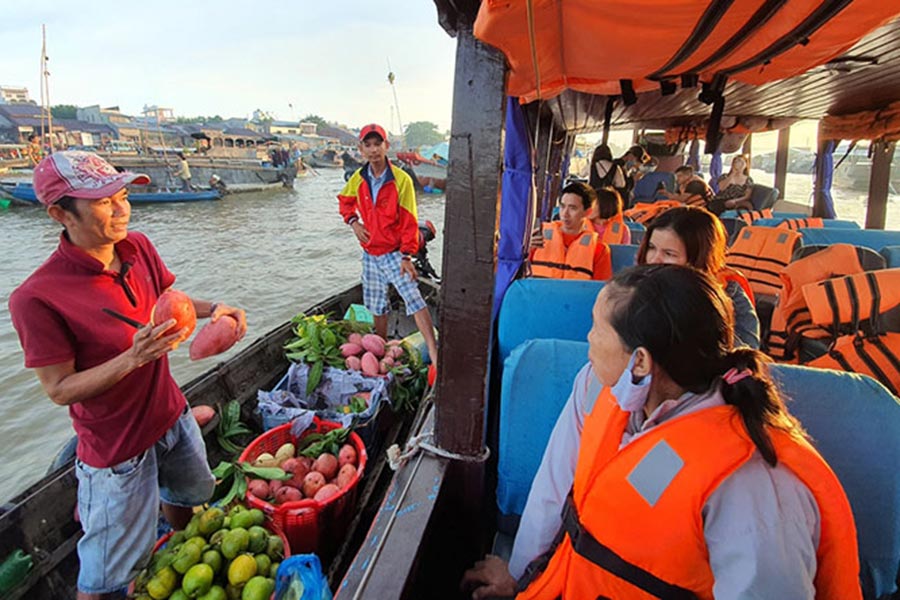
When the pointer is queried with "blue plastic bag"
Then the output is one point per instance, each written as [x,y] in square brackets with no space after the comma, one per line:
[300,577]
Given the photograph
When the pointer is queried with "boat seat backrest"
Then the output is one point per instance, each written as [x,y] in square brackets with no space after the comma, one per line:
[733,214]
[635,226]
[622,256]
[763,196]
[543,309]
[875,239]
[826,223]
[645,187]
[891,254]
[854,423]
[537,381]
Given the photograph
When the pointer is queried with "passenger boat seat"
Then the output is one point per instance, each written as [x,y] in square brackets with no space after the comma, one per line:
[854,422]
[875,239]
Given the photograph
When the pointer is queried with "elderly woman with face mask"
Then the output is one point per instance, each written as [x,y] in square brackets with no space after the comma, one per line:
[675,470]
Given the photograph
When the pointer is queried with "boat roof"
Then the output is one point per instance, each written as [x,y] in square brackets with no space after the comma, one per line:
[790,59]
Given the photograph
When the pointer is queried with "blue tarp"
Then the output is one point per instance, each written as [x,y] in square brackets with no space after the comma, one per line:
[715,171]
[442,150]
[825,162]
[516,201]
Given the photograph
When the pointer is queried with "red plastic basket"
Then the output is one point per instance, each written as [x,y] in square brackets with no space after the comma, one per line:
[310,525]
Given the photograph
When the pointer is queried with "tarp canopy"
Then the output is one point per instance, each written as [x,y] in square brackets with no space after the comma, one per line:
[883,124]
[592,47]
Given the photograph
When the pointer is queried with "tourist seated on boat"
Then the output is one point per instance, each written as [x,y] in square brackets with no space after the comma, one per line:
[606,217]
[676,457]
[605,172]
[569,248]
[692,190]
[735,187]
[692,236]
[631,163]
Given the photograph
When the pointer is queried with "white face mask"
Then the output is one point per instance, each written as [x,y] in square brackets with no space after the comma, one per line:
[630,392]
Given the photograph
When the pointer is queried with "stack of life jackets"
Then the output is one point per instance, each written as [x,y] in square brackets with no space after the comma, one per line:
[859,300]
[644,212]
[808,222]
[761,253]
[749,216]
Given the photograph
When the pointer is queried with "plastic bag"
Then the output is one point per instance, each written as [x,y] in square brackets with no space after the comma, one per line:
[300,577]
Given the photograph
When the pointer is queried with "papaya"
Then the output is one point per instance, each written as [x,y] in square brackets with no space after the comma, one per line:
[174,304]
[215,337]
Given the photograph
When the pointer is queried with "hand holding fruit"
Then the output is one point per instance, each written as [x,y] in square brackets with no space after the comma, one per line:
[151,342]
[238,314]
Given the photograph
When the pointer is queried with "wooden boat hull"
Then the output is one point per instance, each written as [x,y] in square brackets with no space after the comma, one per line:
[25,193]
[40,520]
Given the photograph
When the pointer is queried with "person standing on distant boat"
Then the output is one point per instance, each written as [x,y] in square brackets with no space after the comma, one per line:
[184,172]
[379,204]
[138,443]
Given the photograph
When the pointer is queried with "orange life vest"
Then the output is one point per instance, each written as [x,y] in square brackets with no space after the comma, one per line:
[761,253]
[809,222]
[615,230]
[626,538]
[644,212]
[748,216]
[854,299]
[556,261]
[791,320]
[727,275]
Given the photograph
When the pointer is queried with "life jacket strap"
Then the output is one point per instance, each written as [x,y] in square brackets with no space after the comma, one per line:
[562,267]
[587,546]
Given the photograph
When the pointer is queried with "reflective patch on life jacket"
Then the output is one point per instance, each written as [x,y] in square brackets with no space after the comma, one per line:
[548,234]
[653,474]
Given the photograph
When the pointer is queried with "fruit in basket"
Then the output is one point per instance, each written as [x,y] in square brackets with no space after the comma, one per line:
[263,562]
[162,584]
[326,491]
[197,580]
[353,363]
[241,569]
[374,343]
[215,337]
[285,452]
[259,488]
[211,520]
[369,365]
[274,486]
[347,455]
[259,539]
[350,349]
[173,304]
[213,558]
[258,588]
[275,548]
[327,465]
[287,493]
[216,592]
[188,556]
[235,542]
[179,594]
[312,483]
[265,460]
[355,338]
[345,475]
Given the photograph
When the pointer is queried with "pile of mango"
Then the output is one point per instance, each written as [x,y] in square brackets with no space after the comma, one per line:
[218,556]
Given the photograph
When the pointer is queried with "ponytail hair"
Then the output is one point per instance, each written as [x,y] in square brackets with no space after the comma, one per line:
[747,385]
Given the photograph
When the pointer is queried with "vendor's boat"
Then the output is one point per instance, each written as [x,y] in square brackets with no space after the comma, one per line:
[40,520]
[24,192]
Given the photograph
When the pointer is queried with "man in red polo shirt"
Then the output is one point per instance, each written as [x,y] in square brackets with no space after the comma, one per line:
[137,440]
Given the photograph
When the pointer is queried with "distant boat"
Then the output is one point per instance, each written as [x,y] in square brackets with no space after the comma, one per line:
[324,159]
[25,193]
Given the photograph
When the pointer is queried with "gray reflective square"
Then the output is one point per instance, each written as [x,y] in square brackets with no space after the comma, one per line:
[655,472]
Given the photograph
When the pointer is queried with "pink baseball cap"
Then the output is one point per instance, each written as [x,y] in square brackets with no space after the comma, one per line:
[371,128]
[79,175]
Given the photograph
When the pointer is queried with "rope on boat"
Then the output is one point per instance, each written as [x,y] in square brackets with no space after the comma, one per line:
[423,442]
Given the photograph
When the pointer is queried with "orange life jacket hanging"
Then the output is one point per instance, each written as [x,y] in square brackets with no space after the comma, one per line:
[748,216]
[761,253]
[644,212]
[808,222]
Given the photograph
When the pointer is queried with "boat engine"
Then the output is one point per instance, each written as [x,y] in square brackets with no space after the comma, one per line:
[427,233]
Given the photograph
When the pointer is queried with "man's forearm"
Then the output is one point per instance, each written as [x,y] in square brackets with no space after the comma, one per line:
[80,386]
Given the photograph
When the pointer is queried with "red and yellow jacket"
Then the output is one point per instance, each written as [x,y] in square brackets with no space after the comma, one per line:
[392,220]
[620,543]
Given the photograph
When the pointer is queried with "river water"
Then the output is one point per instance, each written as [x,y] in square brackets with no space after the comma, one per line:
[272,253]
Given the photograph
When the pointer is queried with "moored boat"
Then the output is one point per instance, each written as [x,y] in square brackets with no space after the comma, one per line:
[24,192]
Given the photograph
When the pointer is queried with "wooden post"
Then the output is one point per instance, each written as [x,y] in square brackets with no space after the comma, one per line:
[882,155]
[781,161]
[747,148]
[467,289]
[818,207]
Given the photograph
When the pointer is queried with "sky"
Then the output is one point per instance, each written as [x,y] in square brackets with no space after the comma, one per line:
[231,57]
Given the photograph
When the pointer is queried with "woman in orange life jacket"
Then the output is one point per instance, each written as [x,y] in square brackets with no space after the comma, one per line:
[681,472]
[606,217]
[693,236]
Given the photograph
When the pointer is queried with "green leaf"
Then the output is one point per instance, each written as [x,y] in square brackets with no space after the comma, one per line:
[328,338]
[315,376]
[235,488]
[223,470]
[265,472]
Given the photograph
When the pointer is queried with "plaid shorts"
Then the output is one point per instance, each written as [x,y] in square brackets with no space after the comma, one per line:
[377,273]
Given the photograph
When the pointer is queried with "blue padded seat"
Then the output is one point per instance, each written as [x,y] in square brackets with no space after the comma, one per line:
[763,196]
[891,254]
[537,381]
[622,256]
[854,422]
[733,214]
[637,231]
[545,308]
[645,187]
[875,239]
[827,223]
